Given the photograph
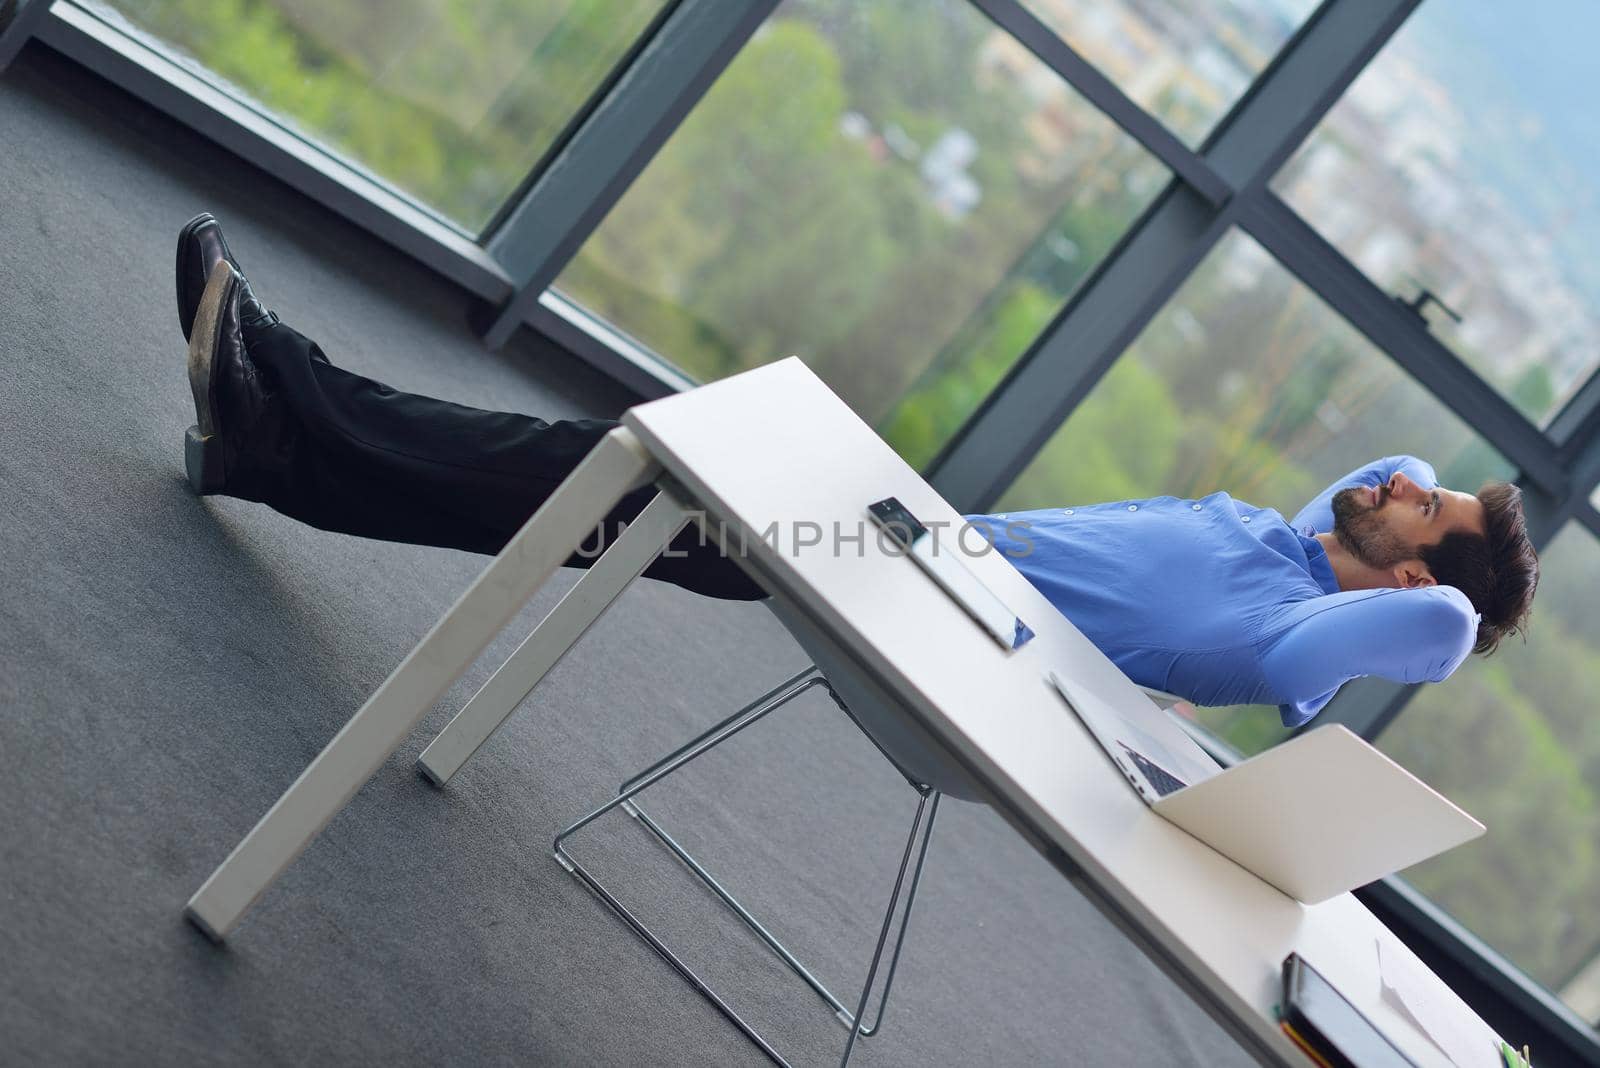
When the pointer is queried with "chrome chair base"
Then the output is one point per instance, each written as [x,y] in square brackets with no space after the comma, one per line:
[927,803]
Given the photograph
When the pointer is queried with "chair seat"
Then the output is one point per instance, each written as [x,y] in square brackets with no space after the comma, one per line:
[891,726]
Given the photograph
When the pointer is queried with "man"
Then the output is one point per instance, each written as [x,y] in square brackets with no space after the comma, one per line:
[1224,603]
[1215,600]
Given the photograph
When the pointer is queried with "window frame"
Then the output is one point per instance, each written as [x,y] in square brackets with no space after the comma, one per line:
[1221,184]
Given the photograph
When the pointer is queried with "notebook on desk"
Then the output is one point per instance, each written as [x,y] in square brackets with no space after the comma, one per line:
[1331,1031]
[1315,816]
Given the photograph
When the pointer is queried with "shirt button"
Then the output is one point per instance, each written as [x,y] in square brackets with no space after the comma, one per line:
[1245,519]
[1066,511]
[1196,507]
[1133,507]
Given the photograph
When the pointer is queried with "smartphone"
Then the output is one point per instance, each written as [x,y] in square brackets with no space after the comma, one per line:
[941,564]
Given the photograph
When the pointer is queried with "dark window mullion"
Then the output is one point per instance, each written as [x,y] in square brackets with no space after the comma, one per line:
[1390,327]
[15,33]
[618,71]
[1577,425]
[572,196]
[1306,78]
[1586,515]
[1300,86]
[1104,94]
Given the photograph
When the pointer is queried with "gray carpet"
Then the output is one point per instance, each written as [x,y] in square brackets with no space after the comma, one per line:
[168,664]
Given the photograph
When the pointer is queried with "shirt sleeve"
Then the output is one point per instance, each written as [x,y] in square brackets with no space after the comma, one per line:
[1319,513]
[1407,635]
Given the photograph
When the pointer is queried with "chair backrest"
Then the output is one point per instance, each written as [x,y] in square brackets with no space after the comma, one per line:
[1162,698]
[890,726]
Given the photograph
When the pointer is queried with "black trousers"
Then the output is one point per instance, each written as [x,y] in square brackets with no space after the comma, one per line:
[345,453]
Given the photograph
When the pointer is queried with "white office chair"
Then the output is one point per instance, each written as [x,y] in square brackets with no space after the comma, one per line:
[927,767]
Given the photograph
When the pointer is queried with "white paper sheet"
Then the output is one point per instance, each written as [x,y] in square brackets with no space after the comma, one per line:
[1419,996]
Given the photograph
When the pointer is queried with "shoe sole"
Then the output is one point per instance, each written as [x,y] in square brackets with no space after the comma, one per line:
[202,449]
[182,261]
[181,273]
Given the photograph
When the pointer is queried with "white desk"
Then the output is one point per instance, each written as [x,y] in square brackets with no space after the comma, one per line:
[775,446]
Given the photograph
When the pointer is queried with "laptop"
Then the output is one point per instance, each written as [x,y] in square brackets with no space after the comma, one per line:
[1315,816]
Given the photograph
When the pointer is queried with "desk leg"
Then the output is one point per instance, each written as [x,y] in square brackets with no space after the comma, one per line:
[558,632]
[616,465]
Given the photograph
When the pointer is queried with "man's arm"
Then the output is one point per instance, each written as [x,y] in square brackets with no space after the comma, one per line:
[1407,635]
[1319,513]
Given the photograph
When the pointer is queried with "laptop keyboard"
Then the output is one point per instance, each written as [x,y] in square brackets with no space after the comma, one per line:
[1162,781]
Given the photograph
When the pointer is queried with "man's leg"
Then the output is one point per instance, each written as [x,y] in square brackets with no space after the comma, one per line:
[348,454]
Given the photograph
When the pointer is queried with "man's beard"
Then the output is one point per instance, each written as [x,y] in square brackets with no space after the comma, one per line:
[1364,534]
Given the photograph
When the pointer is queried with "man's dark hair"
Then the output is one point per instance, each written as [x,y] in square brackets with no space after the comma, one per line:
[1497,570]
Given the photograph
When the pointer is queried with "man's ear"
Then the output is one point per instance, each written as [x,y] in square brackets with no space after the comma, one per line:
[1414,575]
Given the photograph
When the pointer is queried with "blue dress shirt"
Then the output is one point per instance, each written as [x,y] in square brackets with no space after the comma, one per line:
[1223,603]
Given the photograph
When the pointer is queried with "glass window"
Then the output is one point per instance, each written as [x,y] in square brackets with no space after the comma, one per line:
[1514,739]
[1462,162]
[1245,382]
[453,102]
[1184,61]
[895,190]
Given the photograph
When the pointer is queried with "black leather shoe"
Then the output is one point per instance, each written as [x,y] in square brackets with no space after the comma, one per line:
[201,247]
[230,393]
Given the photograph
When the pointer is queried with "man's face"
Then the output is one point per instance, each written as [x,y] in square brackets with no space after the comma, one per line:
[1386,526]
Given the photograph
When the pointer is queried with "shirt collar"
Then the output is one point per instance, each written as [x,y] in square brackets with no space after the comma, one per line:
[1317,560]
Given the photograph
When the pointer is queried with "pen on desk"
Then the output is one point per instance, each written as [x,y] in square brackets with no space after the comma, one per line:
[1509,1054]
